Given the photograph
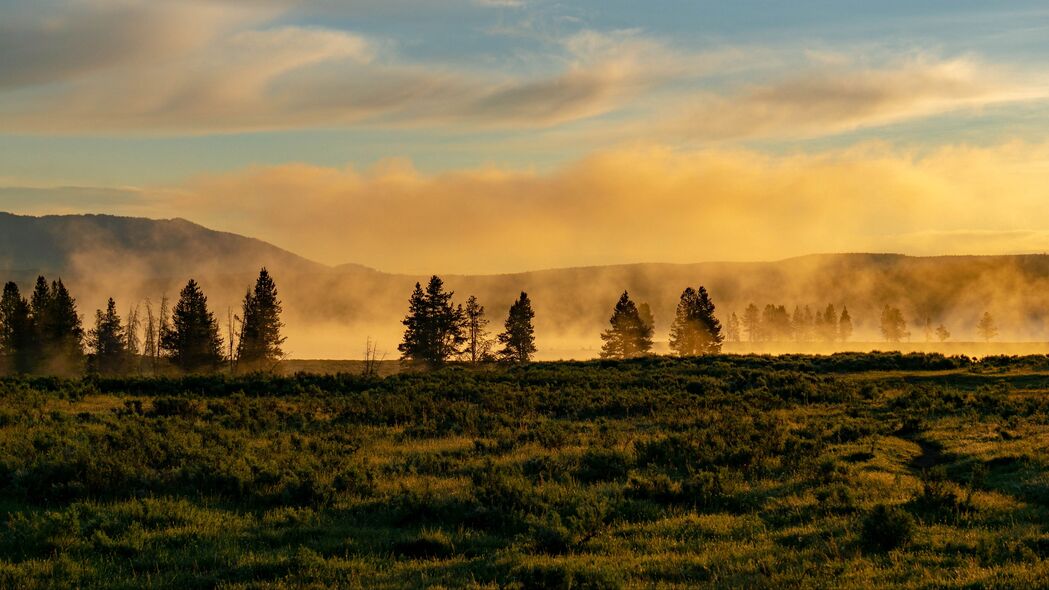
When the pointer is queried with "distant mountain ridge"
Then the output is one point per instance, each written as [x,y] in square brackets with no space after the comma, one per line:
[331,311]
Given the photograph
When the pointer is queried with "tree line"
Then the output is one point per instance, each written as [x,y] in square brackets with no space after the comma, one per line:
[438,331]
[45,335]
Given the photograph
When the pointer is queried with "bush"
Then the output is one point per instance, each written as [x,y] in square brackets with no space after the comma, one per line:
[886,528]
[427,544]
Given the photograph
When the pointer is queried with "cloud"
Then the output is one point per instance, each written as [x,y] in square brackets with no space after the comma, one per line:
[208,66]
[840,97]
[639,204]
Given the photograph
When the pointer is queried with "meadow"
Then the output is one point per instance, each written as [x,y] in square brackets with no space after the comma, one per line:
[847,471]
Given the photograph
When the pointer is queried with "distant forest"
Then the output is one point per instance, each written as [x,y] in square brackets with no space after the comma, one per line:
[44,332]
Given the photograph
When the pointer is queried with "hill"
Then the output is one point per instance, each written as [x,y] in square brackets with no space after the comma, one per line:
[331,311]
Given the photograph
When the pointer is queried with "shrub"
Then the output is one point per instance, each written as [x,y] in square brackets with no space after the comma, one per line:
[886,528]
[427,544]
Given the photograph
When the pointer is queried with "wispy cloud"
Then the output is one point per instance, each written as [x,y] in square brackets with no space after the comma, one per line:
[840,97]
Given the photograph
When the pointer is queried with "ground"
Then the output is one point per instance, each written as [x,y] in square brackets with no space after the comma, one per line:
[852,470]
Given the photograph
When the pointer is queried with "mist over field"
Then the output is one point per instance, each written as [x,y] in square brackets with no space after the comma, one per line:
[331,312]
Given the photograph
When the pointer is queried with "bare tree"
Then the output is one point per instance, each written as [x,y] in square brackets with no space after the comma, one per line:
[372,359]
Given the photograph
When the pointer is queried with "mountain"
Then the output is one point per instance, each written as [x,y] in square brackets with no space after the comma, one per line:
[331,311]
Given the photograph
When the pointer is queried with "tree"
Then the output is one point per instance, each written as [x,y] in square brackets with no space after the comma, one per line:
[59,332]
[942,333]
[478,343]
[830,324]
[518,338]
[987,327]
[628,337]
[433,327]
[16,331]
[752,323]
[927,328]
[845,325]
[192,340]
[260,333]
[695,330]
[108,341]
[893,326]
[732,328]
[647,319]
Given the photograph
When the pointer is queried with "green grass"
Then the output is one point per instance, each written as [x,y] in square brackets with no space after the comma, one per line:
[853,471]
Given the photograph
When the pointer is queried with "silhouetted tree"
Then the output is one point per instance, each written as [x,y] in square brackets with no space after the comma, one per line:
[647,319]
[433,327]
[192,341]
[59,332]
[518,337]
[775,324]
[927,328]
[830,324]
[942,333]
[695,330]
[629,336]
[797,324]
[752,323]
[987,327]
[107,342]
[732,328]
[260,333]
[478,343]
[16,331]
[893,326]
[845,325]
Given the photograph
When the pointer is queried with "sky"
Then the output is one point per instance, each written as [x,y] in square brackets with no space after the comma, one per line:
[487,136]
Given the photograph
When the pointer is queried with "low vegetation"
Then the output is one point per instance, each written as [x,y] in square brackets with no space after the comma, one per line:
[860,471]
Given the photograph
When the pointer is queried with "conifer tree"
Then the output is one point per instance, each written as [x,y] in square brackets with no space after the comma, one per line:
[260,333]
[629,336]
[695,330]
[943,333]
[478,343]
[107,341]
[830,323]
[192,340]
[518,337]
[752,323]
[987,327]
[732,328]
[647,319]
[893,326]
[797,324]
[845,325]
[16,331]
[433,327]
[60,333]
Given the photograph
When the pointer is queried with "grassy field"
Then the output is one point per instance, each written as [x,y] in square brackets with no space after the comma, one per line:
[854,471]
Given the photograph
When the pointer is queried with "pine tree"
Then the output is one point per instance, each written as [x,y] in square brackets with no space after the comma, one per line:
[260,333]
[987,327]
[629,336]
[433,327]
[845,325]
[830,323]
[647,319]
[752,323]
[108,341]
[518,337]
[478,343]
[893,326]
[192,340]
[732,328]
[62,333]
[695,330]
[943,333]
[797,324]
[16,332]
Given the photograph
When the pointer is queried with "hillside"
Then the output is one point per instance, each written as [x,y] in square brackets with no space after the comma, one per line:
[332,311]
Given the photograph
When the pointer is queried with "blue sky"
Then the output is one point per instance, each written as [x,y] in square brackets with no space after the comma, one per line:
[144,107]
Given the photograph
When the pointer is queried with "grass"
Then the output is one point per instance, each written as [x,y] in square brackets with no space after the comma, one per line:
[853,471]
